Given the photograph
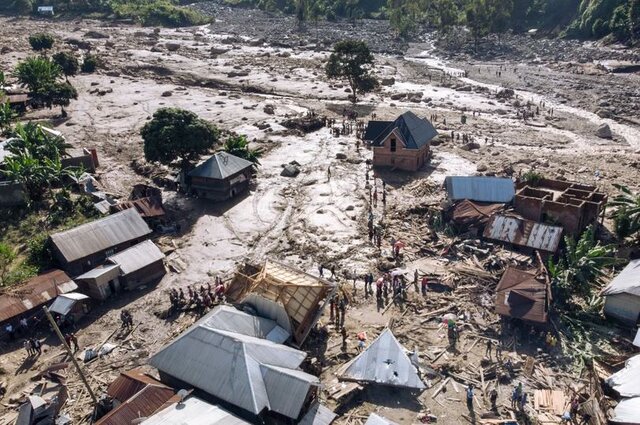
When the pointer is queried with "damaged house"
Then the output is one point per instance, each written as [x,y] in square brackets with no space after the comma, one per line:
[402,144]
[524,295]
[622,295]
[236,358]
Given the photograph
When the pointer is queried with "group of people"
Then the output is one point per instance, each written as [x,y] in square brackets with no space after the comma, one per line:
[32,346]
[338,310]
[518,397]
[127,319]
[201,299]
[21,329]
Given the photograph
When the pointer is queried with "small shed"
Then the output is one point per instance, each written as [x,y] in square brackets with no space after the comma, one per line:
[45,10]
[71,307]
[622,295]
[221,177]
[480,189]
[523,295]
[139,265]
[100,283]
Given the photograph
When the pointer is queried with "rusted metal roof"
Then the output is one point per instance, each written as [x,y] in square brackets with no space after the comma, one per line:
[100,235]
[469,213]
[34,293]
[146,207]
[523,232]
[129,383]
[523,295]
[143,404]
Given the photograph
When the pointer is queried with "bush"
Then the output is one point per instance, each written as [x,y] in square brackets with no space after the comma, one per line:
[41,41]
[89,64]
[23,7]
[40,251]
[68,62]
[159,13]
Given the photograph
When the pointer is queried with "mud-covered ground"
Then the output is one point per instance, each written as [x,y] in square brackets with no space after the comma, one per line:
[233,75]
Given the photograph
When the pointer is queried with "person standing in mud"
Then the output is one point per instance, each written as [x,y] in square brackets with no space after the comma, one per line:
[342,308]
[329,173]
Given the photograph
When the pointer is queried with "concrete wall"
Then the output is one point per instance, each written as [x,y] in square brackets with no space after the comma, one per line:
[623,307]
[220,190]
[402,158]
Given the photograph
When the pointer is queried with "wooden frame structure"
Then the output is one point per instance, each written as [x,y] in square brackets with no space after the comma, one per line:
[301,294]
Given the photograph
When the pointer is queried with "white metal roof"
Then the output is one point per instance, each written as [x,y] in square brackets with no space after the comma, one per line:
[627,381]
[227,318]
[627,411]
[249,372]
[375,419]
[318,414]
[627,281]
[194,411]
[383,362]
[480,189]
[137,257]
[65,302]
[98,271]
[100,235]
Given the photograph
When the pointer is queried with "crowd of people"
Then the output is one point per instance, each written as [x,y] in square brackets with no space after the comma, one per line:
[199,299]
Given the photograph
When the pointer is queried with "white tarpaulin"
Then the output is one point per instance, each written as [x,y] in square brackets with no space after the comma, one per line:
[627,381]
[65,302]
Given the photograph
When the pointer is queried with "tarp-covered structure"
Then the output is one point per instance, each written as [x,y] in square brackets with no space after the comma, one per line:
[237,364]
[626,382]
[302,295]
[384,362]
[623,295]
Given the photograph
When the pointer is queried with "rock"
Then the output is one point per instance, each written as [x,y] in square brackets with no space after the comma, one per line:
[290,170]
[257,42]
[505,94]
[349,208]
[470,146]
[172,47]
[398,96]
[306,124]
[388,81]
[482,167]
[81,44]
[341,155]
[167,93]
[604,113]
[95,34]
[463,88]
[604,132]
[269,109]
[262,125]
[217,51]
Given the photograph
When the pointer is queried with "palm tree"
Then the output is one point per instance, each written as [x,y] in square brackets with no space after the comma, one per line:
[239,146]
[627,214]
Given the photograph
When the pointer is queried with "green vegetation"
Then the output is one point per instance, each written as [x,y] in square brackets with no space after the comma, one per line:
[239,146]
[352,61]
[41,41]
[7,255]
[89,64]
[175,134]
[68,62]
[626,216]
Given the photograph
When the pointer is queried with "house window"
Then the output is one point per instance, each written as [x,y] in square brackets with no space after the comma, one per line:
[393,145]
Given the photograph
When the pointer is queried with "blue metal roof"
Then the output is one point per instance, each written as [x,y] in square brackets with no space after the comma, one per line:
[480,189]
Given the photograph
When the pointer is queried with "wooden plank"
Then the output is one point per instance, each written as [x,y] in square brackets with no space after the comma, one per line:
[440,388]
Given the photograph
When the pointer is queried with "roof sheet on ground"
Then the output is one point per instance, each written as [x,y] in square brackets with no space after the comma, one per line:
[318,414]
[100,235]
[249,372]
[523,232]
[375,419]
[137,257]
[480,189]
[383,362]
[626,282]
[520,294]
[220,166]
[194,411]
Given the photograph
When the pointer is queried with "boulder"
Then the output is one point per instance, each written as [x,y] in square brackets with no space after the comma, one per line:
[269,109]
[290,170]
[95,34]
[167,93]
[234,74]
[172,47]
[388,81]
[604,113]
[604,132]
[470,146]
[341,155]
[482,167]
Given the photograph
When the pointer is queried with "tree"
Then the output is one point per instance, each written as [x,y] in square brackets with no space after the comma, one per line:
[634,20]
[627,214]
[67,62]
[89,64]
[23,7]
[239,146]
[177,134]
[477,17]
[56,94]
[41,41]
[446,15]
[352,60]
[7,255]
[7,116]
[3,81]
[37,72]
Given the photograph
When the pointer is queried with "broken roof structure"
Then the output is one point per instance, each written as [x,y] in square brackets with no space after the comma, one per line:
[35,292]
[623,295]
[150,207]
[472,214]
[523,233]
[384,362]
[99,235]
[415,132]
[480,189]
[194,411]
[523,295]
[220,166]
[243,369]
[302,295]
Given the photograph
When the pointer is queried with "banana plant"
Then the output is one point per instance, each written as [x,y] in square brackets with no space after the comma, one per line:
[626,215]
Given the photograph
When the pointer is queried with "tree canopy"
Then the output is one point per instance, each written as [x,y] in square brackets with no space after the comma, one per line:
[68,62]
[352,61]
[176,134]
[41,41]
[239,146]
[40,75]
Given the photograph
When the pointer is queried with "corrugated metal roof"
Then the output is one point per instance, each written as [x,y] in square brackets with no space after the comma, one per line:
[523,232]
[100,235]
[129,383]
[627,411]
[99,271]
[480,189]
[626,382]
[227,365]
[383,362]
[137,257]
[194,411]
[416,132]
[147,207]
[626,282]
[318,414]
[227,318]
[220,166]
[142,404]
[375,129]
[65,302]
[35,292]
[523,295]
[375,419]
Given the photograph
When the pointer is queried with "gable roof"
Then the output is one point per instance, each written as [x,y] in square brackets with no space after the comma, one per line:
[383,362]
[416,132]
[220,166]
[523,295]
[137,257]
[626,282]
[480,189]
[194,411]
[100,235]
[142,404]
[249,372]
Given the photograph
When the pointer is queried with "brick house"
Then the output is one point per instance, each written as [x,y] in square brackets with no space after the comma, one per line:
[401,144]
